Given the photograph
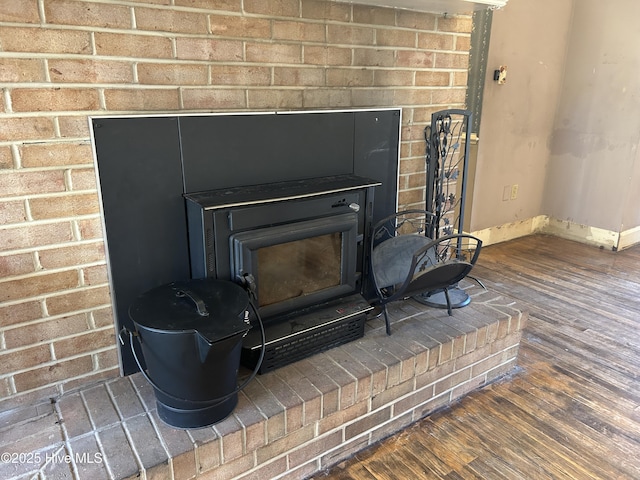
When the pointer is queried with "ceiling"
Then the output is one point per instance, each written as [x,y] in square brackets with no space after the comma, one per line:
[434,6]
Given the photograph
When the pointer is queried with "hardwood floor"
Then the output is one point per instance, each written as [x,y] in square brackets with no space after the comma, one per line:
[572,408]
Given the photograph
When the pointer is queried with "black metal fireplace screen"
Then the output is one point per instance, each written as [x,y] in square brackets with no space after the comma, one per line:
[146,164]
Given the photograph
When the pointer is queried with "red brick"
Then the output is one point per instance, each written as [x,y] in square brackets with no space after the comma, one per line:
[6,159]
[432,79]
[298,31]
[435,41]
[327,55]
[394,426]
[276,8]
[170,21]
[421,21]
[53,373]
[131,45]
[395,38]
[293,76]
[172,74]
[323,10]
[38,285]
[350,35]
[152,99]
[346,450]
[40,40]
[274,99]
[26,183]
[20,313]
[208,451]
[285,444]
[349,77]
[273,53]
[102,317]
[12,212]
[415,59]
[90,71]
[459,24]
[467,387]
[80,299]
[374,15]
[452,60]
[448,96]
[240,75]
[463,43]
[201,99]
[19,264]
[241,27]
[64,206]
[72,255]
[29,357]
[460,79]
[55,154]
[19,11]
[228,5]
[342,417]
[372,57]
[45,331]
[378,97]
[233,469]
[108,359]
[22,70]
[32,128]
[5,388]
[96,275]
[327,98]
[416,180]
[54,99]
[314,448]
[84,343]
[83,179]
[390,394]
[393,78]
[90,228]
[67,12]
[73,126]
[269,470]
[209,49]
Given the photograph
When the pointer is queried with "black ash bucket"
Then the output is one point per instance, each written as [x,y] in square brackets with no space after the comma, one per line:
[191,337]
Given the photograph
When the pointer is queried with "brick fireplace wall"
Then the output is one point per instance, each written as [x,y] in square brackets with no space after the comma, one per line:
[62,61]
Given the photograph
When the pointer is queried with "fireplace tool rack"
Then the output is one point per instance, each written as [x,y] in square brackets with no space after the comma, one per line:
[448,140]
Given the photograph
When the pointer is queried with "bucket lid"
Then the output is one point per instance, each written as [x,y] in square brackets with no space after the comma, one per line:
[213,308]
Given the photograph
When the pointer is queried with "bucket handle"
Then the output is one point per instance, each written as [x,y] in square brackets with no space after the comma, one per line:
[218,400]
[201,307]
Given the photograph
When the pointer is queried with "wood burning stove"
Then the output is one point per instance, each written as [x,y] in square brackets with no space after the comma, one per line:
[299,246]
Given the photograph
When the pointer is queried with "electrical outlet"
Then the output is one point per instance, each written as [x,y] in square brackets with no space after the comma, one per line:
[514,191]
[506,193]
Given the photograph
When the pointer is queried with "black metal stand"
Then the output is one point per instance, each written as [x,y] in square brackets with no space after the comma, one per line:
[447,156]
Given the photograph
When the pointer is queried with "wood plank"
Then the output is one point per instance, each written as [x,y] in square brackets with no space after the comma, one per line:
[572,411]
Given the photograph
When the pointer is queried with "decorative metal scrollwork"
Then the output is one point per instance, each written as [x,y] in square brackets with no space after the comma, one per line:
[447,151]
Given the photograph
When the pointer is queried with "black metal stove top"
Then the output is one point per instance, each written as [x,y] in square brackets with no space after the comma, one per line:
[273,192]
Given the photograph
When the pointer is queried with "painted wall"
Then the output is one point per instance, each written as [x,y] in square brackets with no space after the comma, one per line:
[593,171]
[564,127]
[517,117]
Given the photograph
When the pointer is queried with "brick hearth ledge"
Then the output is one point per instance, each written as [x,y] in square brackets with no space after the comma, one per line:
[289,423]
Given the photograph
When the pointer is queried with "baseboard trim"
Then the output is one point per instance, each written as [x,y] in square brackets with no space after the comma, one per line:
[511,231]
[629,238]
[597,237]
